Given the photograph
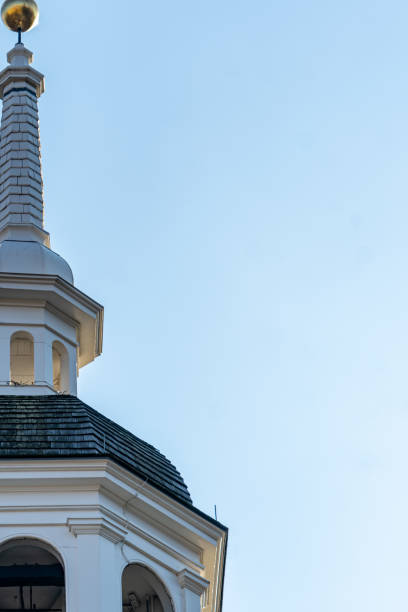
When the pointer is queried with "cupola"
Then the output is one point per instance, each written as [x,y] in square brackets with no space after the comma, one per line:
[49,328]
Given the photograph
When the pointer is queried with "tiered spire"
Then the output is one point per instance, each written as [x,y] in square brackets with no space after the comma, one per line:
[21,185]
[48,328]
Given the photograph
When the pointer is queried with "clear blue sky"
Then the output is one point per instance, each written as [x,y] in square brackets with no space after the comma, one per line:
[230,180]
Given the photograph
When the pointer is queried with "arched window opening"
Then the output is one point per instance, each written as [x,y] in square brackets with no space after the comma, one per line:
[31,577]
[142,591]
[60,367]
[22,359]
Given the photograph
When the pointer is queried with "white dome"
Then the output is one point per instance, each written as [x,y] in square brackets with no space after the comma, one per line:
[26,257]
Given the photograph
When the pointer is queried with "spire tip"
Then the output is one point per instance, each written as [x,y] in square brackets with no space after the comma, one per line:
[20,15]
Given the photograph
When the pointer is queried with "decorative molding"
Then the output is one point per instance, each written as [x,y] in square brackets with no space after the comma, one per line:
[118,521]
[192,582]
[170,520]
[96,525]
[62,315]
[57,281]
[41,305]
[22,303]
[67,299]
[124,480]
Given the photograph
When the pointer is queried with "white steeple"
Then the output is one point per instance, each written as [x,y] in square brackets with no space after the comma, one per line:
[93,519]
[48,328]
[21,186]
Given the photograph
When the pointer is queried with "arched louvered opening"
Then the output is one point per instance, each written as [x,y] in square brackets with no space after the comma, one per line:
[22,359]
[142,591]
[31,577]
[60,367]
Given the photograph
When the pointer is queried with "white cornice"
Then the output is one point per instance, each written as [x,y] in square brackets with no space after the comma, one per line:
[96,525]
[128,485]
[123,526]
[192,582]
[41,279]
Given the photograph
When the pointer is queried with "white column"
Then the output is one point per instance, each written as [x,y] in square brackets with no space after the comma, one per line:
[85,581]
[42,360]
[92,581]
[4,356]
[95,579]
[73,370]
[193,587]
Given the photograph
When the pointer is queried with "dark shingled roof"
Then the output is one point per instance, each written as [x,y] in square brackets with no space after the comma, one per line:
[61,426]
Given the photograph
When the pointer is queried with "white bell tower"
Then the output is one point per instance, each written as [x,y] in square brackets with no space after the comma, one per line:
[92,518]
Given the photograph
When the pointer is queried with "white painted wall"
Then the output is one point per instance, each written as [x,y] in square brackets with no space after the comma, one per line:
[99,517]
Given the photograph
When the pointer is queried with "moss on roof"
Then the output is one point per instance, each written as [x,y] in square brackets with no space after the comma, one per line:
[62,426]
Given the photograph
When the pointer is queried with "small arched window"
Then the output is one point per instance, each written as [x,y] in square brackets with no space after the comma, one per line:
[22,359]
[31,576]
[142,591]
[60,367]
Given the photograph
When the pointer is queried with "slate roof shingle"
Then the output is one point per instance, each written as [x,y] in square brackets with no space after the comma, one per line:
[62,426]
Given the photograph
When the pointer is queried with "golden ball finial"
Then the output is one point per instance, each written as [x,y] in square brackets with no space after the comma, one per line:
[20,15]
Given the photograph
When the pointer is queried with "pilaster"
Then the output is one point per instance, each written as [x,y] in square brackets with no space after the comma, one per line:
[42,360]
[91,582]
[193,588]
